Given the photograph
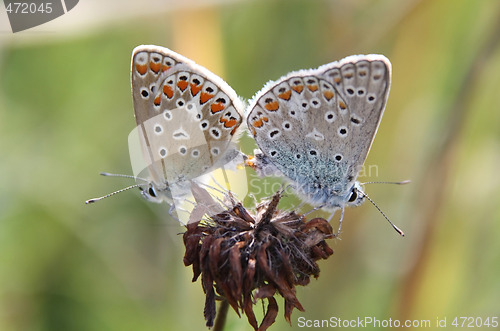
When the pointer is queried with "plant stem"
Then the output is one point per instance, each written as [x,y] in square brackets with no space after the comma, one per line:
[220,319]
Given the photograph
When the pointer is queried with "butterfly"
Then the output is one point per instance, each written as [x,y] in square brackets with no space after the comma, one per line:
[187,118]
[316,127]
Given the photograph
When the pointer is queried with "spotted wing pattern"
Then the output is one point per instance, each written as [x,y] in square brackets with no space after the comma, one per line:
[317,126]
[186,115]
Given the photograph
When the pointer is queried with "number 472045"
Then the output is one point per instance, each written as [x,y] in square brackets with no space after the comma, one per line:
[475,322]
[29,8]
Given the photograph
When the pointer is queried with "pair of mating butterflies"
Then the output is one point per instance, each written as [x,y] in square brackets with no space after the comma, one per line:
[315,127]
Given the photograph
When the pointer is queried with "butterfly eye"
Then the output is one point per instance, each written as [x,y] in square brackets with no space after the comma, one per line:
[151,192]
[353,196]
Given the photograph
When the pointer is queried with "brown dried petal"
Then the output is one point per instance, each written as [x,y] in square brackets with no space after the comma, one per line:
[241,223]
[288,272]
[242,213]
[196,270]
[213,256]
[320,224]
[209,311]
[288,311]
[262,260]
[270,317]
[205,248]
[236,268]
[248,280]
[302,280]
[270,209]
[265,291]
[286,224]
[248,308]
[229,295]
[287,292]
[191,241]
[277,279]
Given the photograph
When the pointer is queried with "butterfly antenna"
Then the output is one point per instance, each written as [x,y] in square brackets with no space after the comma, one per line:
[396,183]
[111,194]
[107,174]
[398,230]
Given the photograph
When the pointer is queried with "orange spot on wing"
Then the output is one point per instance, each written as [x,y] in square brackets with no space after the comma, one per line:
[167,90]
[231,123]
[298,88]
[328,95]
[182,84]
[195,89]
[272,106]
[141,68]
[258,123]
[158,100]
[204,97]
[337,80]
[228,123]
[342,105]
[155,66]
[217,107]
[312,88]
[165,68]
[285,95]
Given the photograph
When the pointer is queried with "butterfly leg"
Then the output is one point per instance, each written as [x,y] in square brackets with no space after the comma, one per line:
[300,205]
[340,221]
[312,210]
[173,212]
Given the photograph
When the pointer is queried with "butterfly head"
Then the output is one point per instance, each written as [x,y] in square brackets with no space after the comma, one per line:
[153,193]
[356,196]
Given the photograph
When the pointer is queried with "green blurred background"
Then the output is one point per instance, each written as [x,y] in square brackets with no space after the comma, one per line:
[66,111]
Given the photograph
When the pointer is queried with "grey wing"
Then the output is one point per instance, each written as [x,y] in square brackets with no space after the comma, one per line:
[317,126]
[293,123]
[187,115]
[363,81]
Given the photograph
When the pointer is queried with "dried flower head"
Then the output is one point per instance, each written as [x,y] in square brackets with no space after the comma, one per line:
[244,257]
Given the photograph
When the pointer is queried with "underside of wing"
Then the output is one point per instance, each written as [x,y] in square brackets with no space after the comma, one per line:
[316,126]
[188,115]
